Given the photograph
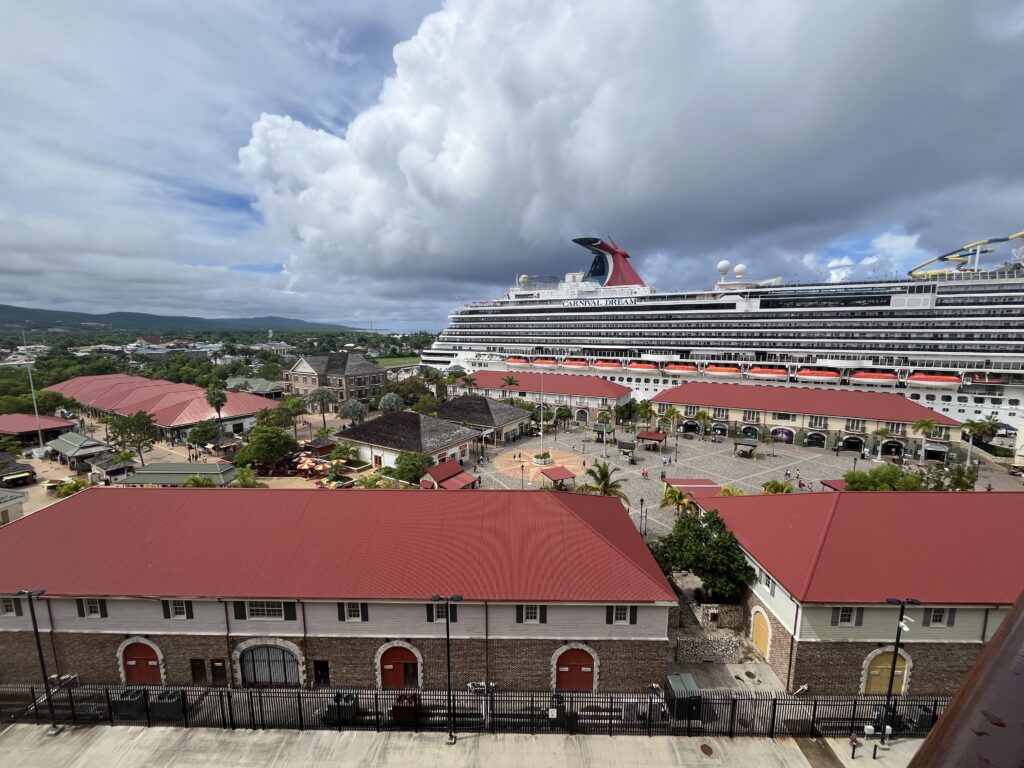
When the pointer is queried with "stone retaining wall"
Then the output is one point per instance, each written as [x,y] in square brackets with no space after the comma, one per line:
[715,616]
[720,648]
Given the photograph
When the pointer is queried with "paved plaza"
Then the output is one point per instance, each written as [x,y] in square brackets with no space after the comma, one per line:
[512,467]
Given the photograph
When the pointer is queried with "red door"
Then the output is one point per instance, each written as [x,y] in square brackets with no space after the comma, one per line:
[575,671]
[398,669]
[141,666]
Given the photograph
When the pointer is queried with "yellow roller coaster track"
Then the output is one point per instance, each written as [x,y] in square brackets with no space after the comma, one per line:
[961,258]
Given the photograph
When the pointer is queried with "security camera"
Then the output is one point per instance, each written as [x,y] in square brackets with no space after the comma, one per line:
[800,690]
[907,618]
[904,627]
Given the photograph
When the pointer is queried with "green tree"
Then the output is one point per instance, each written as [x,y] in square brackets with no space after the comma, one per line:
[267,446]
[772,487]
[204,433]
[563,415]
[731,490]
[199,481]
[645,411]
[323,432]
[344,451]
[673,415]
[322,399]
[703,419]
[392,402]
[9,444]
[924,428]
[962,478]
[71,487]
[887,477]
[216,397]
[678,499]
[880,435]
[604,417]
[246,477]
[354,410]
[377,480]
[291,407]
[427,404]
[468,381]
[602,482]
[135,433]
[509,382]
[411,466]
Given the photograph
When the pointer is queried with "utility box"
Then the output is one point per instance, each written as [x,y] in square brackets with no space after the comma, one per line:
[682,697]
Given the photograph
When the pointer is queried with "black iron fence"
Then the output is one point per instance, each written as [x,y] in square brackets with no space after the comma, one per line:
[709,713]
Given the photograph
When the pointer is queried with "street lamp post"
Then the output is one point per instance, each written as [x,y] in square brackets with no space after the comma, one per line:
[32,595]
[522,476]
[676,459]
[854,463]
[888,715]
[448,655]
[643,522]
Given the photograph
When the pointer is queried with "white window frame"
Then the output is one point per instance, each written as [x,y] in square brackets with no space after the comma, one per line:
[818,422]
[722,414]
[531,609]
[848,622]
[615,614]
[7,606]
[944,617]
[440,611]
[751,417]
[768,582]
[92,607]
[358,612]
[855,425]
[266,606]
[178,610]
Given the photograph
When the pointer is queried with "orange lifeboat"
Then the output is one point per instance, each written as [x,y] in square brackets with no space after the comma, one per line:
[517,362]
[575,364]
[642,367]
[607,365]
[544,362]
[938,381]
[722,371]
[680,369]
[768,373]
[879,378]
[812,374]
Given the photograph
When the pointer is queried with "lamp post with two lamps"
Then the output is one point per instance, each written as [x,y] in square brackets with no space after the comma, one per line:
[889,716]
[448,600]
[32,595]
[643,520]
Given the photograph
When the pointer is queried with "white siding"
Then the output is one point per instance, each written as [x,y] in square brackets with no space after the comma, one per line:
[781,604]
[135,616]
[585,621]
[879,625]
[393,620]
[995,618]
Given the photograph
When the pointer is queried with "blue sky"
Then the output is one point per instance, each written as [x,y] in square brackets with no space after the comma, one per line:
[384,162]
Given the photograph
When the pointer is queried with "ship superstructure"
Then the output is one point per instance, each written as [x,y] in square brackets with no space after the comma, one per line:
[951,339]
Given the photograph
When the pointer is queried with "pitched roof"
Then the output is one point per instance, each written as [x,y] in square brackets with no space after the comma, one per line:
[9,466]
[109,462]
[296,543]
[883,406]
[850,547]
[257,386]
[558,473]
[340,364]
[170,404]
[409,431]
[444,470]
[174,473]
[22,423]
[481,411]
[554,383]
[698,488]
[74,444]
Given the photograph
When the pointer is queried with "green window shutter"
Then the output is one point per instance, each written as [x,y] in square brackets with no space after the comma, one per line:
[289,611]
[543,614]
[519,614]
[430,611]
[189,613]
[17,606]
[927,621]
[364,611]
[453,612]
[835,617]
[632,614]
[81,606]
[609,614]
[858,617]
[103,609]
[240,613]
[342,615]
[166,605]
[950,616]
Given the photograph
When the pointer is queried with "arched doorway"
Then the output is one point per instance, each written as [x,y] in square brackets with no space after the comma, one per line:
[720,428]
[141,665]
[760,632]
[853,443]
[935,452]
[751,433]
[574,671]
[815,440]
[268,665]
[690,426]
[399,668]
[878,669]
[582,415]
[783,435]
[892,448]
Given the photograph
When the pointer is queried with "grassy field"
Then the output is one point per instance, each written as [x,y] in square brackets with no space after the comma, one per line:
[388,361]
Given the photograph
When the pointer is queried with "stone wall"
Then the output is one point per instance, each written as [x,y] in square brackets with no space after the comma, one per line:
[780,642]
[717,616]
[719,648]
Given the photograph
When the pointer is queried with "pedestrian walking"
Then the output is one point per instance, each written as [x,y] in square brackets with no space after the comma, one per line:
[798,474]
[788,474]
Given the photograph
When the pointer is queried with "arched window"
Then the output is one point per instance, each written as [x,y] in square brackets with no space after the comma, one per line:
[268,665]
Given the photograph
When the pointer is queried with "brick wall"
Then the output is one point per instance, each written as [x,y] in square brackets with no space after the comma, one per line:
[19,659]
[837,667]
[780,642]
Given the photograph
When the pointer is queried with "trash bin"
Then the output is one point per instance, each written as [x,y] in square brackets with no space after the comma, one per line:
[556,712]
[683,697]
[130,703]
[404,708]
[341,710]
[168,705]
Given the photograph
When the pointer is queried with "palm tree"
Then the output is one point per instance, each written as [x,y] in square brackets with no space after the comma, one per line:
[728,490]
[199,481]
[293,407]
[703,419]
[321,398]
[509,382]
[246,478]
[468,381]
[680,500]
[924,427]
[776,486]
[645,411]
[601,482]
[984,429]
[216,397]
[672,414]
[343,451]
[563,414]
[881,433]
[323,432]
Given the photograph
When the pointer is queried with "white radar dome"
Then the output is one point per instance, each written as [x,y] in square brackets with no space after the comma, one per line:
[524,279]
[741,270]
[723,266]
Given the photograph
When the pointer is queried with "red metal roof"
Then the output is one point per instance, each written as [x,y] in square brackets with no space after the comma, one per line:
[444,470]
[863,547]
[555,474]
[554,383]
[353,544]
[170,404]
[22,423]
[884,406]
[656,436]
[835,485]
[459,481]
[696,487]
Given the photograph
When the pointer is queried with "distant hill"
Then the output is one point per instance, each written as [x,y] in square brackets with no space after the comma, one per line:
[27,317]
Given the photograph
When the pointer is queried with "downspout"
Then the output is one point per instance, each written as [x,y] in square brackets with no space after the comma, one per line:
[487,646]
[792,647]
[227,645]
[53,644]
[305,647]
[984,626]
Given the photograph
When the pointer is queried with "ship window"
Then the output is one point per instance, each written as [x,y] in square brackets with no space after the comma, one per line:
[647,381]
[629,379]
[959,410]
[979,401]
[1013,401]
[915,396]
[961,399]
[947,398]
[929,398]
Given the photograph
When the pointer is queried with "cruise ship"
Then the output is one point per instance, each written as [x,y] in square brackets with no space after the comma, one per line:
[950,335]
